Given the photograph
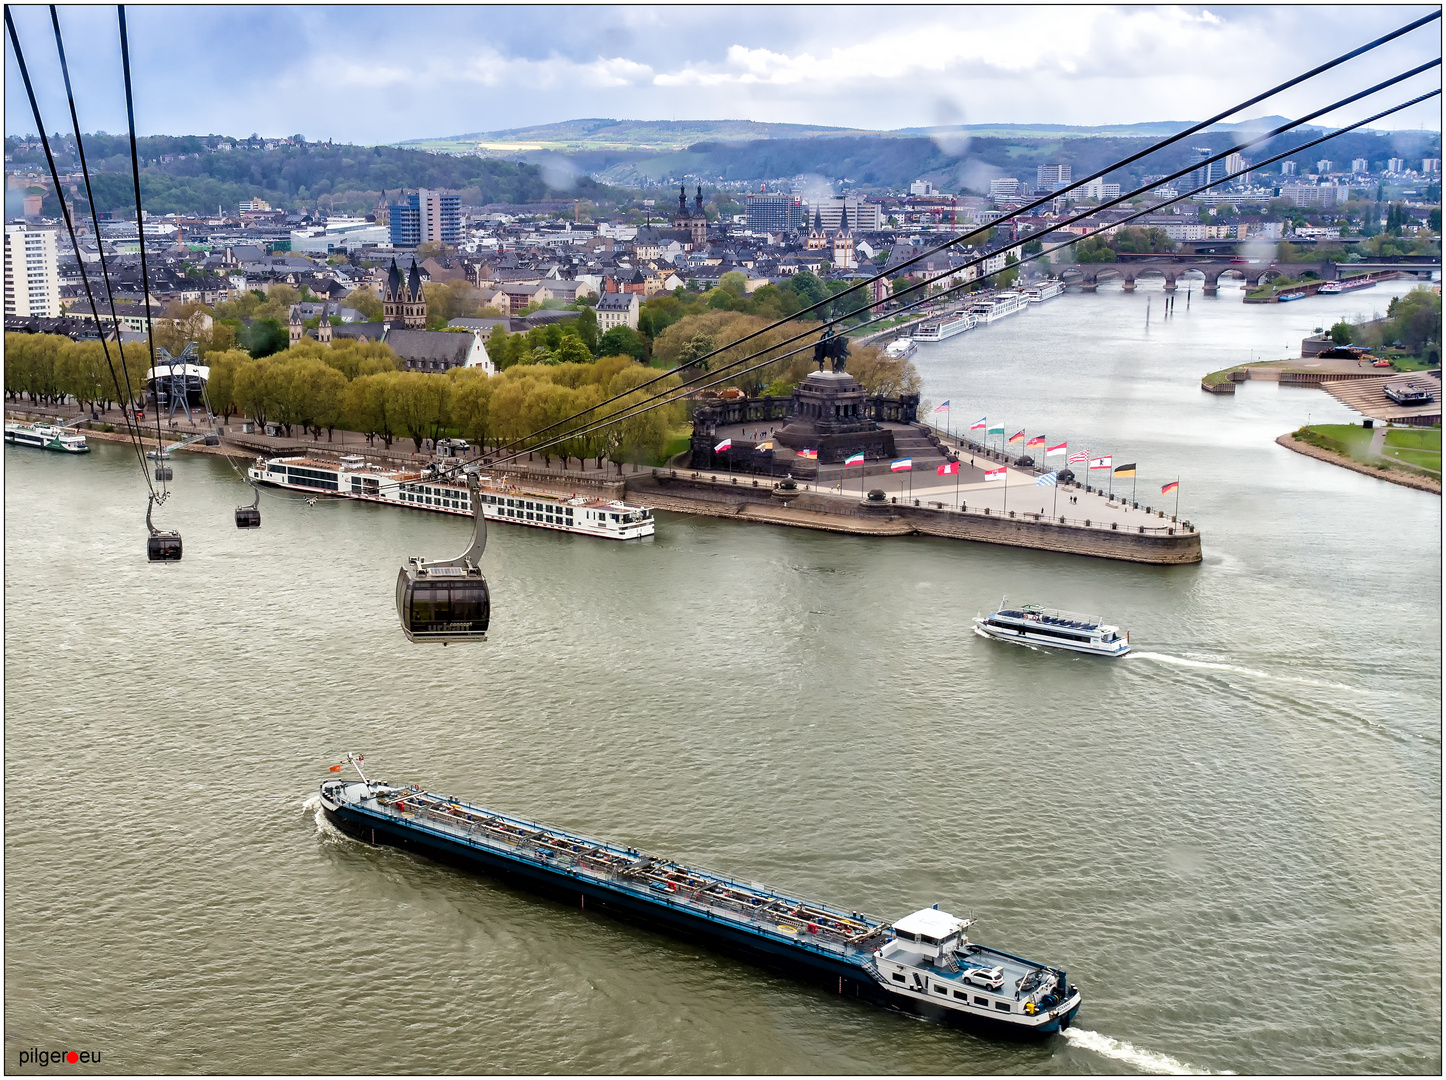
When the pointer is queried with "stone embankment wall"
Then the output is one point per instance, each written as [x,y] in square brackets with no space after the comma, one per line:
[812,510]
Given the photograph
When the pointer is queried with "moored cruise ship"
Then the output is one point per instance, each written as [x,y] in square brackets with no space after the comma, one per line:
[353,477]
[1045,290]
[923,963]
[997,306]
[946,327]
[900,348]
[46,437]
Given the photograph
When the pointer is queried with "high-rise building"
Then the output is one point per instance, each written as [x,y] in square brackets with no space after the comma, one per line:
[1236,163]
[1324,166]
[1430,165]
[1360,165]
[1205,172]
[1396,165]
[1287,168]
[774,211]
[428,217]
[1099,190]
[32,273]
[1004,187]
[863,216]
[922,187]
[1053,177]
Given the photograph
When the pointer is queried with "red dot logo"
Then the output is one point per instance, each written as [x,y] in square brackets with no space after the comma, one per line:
[72,1057]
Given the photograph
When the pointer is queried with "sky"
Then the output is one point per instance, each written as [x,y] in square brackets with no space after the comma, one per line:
[382,74]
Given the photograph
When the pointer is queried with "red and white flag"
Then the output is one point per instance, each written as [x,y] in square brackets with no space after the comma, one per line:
[1079,457]
[1055,451]
[1101,462]
[995,474]
[949,468]
[724,445]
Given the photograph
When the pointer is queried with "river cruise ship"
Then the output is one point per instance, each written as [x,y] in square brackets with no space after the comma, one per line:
[946,327]
[1045,290]
[901,348]
[922,963]
[46,437]
[1033,625]
[997,306]
[1348,285]
[353,477]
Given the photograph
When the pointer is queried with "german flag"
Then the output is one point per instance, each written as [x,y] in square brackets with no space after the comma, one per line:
[1125,470]
[1173,485]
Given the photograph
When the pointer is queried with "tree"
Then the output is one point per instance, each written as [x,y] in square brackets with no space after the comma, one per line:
[621,340]
[264,337]
[587,331]
[365,301]
[571,350]
[735,281]
[1341,333]
[367,406]
[221,386]
[471,403]
[418,402]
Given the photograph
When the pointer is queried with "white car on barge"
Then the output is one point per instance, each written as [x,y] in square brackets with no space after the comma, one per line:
[922,963]
[436,490]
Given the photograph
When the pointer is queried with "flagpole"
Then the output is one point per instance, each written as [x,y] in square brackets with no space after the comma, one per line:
[1177,497]
[1056,496]
[956,485]
[1006,489]
[1135,491]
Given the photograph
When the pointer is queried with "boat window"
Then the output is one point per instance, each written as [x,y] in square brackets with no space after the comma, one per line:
[981,1001]
[897,977]
[905,935]
[961,995]
[941,990]
[927,940]
[1002,1006]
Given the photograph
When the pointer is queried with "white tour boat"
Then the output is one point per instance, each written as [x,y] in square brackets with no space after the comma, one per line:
[947,327]
[900,348]
[353,477]
[1034,625]
[46,437]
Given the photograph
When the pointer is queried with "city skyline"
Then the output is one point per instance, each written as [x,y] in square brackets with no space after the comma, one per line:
[374,75]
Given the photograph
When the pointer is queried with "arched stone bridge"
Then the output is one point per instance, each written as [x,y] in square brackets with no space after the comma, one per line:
[1088,275]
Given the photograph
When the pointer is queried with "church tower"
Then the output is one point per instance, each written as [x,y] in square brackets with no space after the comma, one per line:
[296,329]
[843,244]
[816,241]
[404,305]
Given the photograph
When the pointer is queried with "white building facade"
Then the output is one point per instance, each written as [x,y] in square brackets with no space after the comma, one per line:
[32,273]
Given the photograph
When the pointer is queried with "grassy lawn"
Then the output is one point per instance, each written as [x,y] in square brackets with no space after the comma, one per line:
[1348,439]
[1413,363]
[1215,378]
[1419,447]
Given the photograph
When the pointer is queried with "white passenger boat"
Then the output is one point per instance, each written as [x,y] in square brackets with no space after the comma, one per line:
[997,306]
[900,348]
[1033,625]
[46,437]
[353,477]
[946,327]
[1046,290]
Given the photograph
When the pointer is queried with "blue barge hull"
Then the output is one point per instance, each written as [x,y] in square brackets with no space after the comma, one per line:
[804,940]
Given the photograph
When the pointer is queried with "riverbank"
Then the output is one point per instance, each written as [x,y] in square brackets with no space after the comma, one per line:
[1382,471]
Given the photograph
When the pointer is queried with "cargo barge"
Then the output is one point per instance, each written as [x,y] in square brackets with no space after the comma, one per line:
[923,963]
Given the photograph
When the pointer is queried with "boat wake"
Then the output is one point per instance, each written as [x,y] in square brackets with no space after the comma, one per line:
[325,830]
[1162,658]
[1130,1054]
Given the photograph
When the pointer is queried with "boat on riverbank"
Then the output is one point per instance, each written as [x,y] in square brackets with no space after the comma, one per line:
[922,963]
[901,348]
[46,437]
[1045,290]
[1034,625]
[353,477]
[997,306]
[946,327]
[1285,298]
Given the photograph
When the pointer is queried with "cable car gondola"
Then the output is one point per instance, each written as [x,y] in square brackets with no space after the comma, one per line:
[448,600]
[161,546]
[249,517]
[164,473]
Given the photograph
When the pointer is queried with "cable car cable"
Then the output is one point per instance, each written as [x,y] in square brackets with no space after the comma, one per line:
[95,222]
[162,473]
[655,401]
[131,432]
[634,410]
[1130,159]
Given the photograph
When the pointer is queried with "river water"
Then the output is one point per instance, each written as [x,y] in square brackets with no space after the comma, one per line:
[1231,838]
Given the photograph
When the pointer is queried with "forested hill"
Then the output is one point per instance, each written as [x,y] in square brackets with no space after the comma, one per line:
[189,174]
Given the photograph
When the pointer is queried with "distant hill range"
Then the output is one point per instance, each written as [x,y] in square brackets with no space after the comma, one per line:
[642,153]
[665,135]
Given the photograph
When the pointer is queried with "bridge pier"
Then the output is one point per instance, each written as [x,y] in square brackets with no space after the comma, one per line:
[1211,289]
[1129,284]
[1088,286]
[1169,284]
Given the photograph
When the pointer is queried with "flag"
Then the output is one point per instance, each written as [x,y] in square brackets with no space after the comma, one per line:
[978,425]
[855,459]
[1125,470]
[995,474]
[941,408]
[1101,462]
[1173,485]
[334,768]
[949,468]
[763,446]
[1018,436]
[1038,440]
[1079,457]
[996,429]
[1047,480]
[807,453]
[1052,451]
[724,445]
[902,465]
